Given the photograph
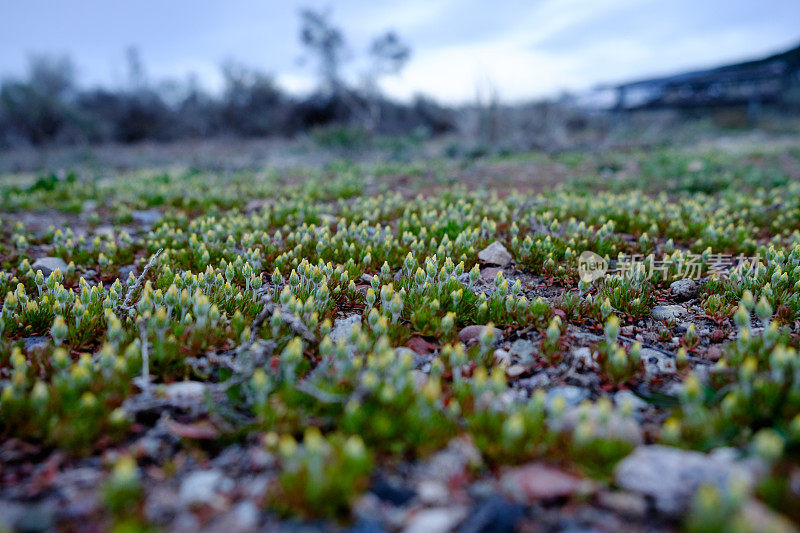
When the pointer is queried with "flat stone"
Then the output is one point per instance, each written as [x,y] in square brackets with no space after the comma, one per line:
[343,326]
[630,504]
[535,481]
[684,289]
[495,254]
[185,390]
[670,476]
[48,264]
[436,520]
[668,312]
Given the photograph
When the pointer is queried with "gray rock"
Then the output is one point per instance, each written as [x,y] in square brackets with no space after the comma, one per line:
[572,395]
[89,206]
[524,349]
[201,486]
[627,397]
[105,231]
[35,343]
[532,383]
[583,355]
[126,270]
[684,289]
[670,476]
[629,504]
[343,326]
[668,312]
[245,516]
[181,391]
[147,217]
[48,264]
[432,492]
[495,254]
[657,363]
[613,425]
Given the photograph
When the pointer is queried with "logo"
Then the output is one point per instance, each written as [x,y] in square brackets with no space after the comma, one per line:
[591,267]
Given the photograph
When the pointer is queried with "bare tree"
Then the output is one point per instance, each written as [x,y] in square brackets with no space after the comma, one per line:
[137,79]
[388,54]
[327,43]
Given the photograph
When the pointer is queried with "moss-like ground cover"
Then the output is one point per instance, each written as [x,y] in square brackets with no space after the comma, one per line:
[324,331]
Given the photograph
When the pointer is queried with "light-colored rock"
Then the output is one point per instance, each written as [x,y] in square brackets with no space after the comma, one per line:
[185,390]
[516,370]
[432,492]
[624,397]
[630,504]
[105,231]
[245,516]
[670,476]
[48,264]
[684,289]
[202,486]
[583,355]
[495,254]
[343,326]
[668,312]
[455,460]
[657,363]
[146,217]
[535,481]
[524,349]
[127,270]
[502,357]
[571,394]
[613,426]
[436,520]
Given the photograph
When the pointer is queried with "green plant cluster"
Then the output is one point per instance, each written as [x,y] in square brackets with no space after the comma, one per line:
[219,275]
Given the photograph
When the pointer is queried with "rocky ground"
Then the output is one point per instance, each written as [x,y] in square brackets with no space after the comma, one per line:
[635,430]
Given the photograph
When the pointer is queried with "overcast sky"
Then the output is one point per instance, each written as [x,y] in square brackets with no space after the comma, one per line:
[520,48]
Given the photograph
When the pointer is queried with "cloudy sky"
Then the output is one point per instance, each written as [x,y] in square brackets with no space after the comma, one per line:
[519,48]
